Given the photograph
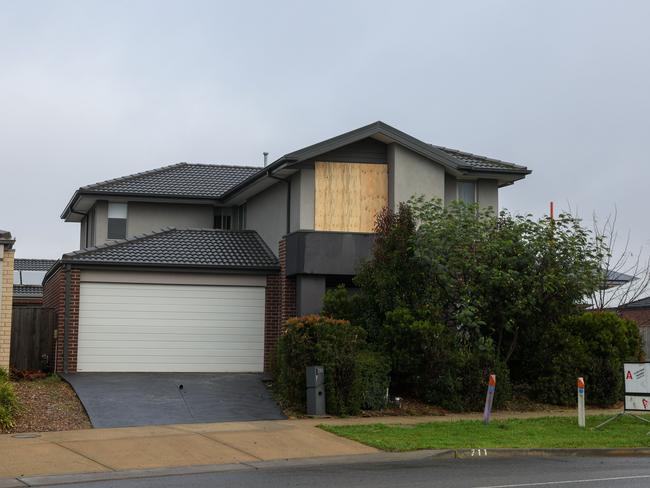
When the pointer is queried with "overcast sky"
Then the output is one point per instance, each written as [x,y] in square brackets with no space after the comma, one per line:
[91,90]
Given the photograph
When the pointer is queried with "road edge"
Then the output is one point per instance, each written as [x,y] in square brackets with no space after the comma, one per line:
[380,457]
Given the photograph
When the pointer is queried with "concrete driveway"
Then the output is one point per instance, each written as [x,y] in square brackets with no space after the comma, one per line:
[137,399]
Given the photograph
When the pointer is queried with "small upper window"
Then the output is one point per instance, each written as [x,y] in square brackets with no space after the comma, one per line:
[17,280]
[117,220]
[222,219]
[467,191]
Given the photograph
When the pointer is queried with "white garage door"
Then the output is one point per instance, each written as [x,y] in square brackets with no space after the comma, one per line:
[175,328]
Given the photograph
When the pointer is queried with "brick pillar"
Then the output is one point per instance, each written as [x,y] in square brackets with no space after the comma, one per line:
[287,287]
[54,297]
[280,305]
[6,304]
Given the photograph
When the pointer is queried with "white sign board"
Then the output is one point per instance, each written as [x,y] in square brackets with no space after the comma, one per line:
[635,402]
[637,378]
[637,386]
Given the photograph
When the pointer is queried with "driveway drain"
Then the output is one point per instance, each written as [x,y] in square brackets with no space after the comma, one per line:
[26,436]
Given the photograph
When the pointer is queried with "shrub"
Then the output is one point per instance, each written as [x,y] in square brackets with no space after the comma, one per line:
[591,345]
[339,303]
[333,344]
[431,363]
[8,401]
[373,377]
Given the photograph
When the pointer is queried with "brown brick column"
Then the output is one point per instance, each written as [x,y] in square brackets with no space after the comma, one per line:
[287,287]
[280,305]
[54,297]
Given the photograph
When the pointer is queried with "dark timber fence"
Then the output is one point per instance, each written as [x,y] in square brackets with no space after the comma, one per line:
[32,338]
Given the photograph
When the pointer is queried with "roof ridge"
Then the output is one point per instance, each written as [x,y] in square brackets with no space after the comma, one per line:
[119,242]
[134,175]
[224,165]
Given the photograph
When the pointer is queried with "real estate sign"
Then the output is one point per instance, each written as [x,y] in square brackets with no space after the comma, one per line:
[637,386]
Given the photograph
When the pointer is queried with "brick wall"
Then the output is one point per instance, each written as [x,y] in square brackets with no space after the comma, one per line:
[54,297]
[287,287]
[640,315]
[6,297]
[280,305]
[271,320]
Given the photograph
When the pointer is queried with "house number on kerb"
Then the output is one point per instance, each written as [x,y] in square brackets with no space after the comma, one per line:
[479,452]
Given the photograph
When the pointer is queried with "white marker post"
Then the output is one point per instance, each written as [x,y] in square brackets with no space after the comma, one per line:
[487,412]
[581,402]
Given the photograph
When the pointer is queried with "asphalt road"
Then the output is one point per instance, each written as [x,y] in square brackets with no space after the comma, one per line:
[447,473]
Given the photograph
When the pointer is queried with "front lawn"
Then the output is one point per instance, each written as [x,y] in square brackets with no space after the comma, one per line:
[546,432]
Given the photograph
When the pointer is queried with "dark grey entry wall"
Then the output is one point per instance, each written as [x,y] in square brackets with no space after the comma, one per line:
[313,256]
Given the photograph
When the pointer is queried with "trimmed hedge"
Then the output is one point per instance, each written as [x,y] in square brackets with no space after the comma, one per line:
[593,345]
[334,344]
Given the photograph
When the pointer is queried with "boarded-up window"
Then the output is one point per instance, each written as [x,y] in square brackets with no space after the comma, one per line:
[348,196]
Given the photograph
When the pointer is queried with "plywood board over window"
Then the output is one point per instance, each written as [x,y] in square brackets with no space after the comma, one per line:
[348,196]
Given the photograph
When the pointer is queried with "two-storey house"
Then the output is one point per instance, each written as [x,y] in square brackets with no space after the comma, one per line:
[195,267]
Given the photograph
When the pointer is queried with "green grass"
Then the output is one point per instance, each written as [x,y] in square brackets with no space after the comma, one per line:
[544,432]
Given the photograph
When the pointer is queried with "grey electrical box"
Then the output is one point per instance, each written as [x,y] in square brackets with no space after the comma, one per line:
[315,379]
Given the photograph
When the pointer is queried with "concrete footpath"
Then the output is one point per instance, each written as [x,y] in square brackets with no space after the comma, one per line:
[176,446]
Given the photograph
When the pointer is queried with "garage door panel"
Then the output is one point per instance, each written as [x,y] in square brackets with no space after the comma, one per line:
[176,328]
[156,338]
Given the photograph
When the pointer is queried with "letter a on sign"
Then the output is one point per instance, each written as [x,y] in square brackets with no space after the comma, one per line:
[628,376]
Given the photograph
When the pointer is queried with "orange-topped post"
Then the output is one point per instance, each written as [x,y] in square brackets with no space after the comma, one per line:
[581,402]
[489,399]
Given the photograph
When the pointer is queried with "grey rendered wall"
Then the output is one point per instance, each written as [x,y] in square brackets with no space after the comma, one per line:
[488,194]
[450,188]
[101,222]
[151,217]
[83,231]
[266,213]
[410,174]
[302,200]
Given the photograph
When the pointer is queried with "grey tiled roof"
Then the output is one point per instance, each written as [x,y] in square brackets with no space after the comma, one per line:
[28,291]
[21,264]
[184,247]
[178,180]
[475,161]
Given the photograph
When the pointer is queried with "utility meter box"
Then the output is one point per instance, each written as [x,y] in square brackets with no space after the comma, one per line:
[315,379]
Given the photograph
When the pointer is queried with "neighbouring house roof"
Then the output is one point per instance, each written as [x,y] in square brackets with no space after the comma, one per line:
[22,264]
[194,248]
[28,291]
[641,303]
[614,278]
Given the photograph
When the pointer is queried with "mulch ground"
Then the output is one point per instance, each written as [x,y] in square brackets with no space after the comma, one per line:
[48,404]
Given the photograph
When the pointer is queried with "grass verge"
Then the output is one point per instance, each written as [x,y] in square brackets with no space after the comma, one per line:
[545,432]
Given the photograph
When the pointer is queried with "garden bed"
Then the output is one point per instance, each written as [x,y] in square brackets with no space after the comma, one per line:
[47,404]
[545,432]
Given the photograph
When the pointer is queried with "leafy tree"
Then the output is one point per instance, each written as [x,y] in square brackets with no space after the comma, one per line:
[453,292]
